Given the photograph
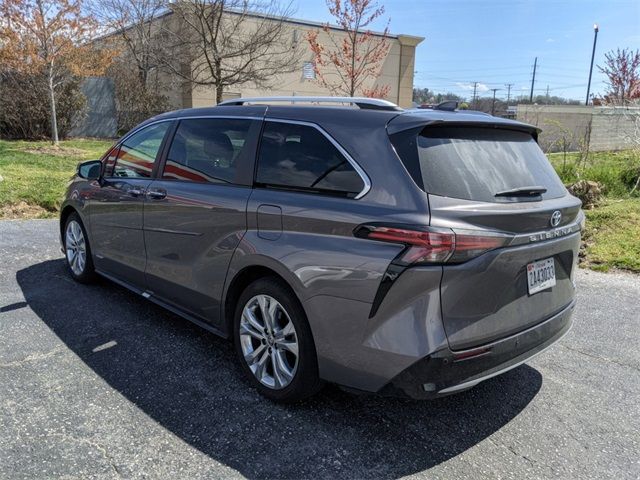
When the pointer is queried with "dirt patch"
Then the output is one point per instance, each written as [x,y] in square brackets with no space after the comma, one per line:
[59,151]
[23,210]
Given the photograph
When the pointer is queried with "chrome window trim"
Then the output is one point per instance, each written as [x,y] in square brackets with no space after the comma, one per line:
[363,175]
[359,170]
[128,135]
[173,119]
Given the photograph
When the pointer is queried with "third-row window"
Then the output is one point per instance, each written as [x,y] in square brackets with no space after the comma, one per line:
[301,157]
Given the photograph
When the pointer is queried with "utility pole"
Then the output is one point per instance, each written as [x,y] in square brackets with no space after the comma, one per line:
[475,88]
[533,79]
[493,103]
[593,54]
[547,92]
[508,85]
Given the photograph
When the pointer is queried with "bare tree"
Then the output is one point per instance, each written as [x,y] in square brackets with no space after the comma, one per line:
[232,42]
[139,26]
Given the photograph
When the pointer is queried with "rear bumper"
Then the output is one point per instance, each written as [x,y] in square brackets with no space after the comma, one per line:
[445,371]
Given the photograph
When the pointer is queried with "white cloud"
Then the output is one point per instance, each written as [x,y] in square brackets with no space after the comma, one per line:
[551,40]
[469,86]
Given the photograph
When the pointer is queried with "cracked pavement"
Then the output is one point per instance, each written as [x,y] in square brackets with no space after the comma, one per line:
[96,382]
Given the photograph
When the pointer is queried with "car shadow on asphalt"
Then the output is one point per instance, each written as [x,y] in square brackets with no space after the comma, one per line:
[188,381]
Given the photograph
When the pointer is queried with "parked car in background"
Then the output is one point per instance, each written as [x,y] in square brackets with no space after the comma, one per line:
[400,252]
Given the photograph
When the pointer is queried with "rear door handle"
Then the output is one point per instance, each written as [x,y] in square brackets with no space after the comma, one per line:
[135,192]
[156,194]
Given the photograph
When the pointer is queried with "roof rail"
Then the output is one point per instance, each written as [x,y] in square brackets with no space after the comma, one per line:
[478,112]
[361,102]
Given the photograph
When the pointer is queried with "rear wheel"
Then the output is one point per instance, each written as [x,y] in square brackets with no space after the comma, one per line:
[274,342]
[77,250]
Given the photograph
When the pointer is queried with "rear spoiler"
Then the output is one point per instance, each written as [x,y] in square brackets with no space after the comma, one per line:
[418,120]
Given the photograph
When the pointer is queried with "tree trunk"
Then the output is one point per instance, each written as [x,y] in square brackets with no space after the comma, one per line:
[218,67]
[52,107]
[142,76]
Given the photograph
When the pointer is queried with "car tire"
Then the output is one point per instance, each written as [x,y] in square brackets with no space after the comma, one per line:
[276,350]
[77,250]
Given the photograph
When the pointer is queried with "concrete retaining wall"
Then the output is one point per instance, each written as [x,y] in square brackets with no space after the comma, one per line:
[605,128]
[101,117]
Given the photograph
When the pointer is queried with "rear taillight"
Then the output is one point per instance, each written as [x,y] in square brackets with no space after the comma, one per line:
[433,245]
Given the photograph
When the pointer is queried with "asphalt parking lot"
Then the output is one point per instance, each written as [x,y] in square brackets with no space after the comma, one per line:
[96,382]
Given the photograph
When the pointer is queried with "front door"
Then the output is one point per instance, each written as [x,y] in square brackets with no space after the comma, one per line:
[195,212]
[116,206]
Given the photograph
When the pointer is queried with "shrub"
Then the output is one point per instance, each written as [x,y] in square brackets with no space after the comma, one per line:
[25,106]
[135,101]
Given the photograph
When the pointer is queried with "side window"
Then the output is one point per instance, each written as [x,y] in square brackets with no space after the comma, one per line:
[206,150]
[301,157]
[138,153]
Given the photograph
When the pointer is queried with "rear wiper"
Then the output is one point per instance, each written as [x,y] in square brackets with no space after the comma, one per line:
[529,191]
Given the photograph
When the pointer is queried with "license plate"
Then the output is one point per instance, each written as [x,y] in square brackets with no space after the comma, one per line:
[541,275]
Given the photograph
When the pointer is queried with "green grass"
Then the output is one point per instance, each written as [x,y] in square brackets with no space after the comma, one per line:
[612,237]
[617,171]
[36,174]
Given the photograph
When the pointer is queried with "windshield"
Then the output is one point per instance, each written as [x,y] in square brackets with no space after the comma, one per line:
[479,163]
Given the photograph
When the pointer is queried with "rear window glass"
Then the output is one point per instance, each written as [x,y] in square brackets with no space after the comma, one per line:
[477,163]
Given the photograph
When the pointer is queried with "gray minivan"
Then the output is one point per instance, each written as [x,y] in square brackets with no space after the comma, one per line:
[339,240]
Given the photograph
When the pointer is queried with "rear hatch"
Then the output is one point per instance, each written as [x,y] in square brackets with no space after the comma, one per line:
[493,179]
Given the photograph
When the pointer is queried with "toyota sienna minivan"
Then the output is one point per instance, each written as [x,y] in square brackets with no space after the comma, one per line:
[343,240]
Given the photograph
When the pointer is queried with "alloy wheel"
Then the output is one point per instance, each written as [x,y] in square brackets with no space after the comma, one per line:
[76,248]
[269,341]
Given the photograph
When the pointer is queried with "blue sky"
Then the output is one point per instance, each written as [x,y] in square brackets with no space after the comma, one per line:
[494,42]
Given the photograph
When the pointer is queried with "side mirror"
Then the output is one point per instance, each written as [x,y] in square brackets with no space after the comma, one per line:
[90,170]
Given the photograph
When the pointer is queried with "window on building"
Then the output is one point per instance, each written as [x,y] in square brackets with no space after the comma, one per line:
[308,71]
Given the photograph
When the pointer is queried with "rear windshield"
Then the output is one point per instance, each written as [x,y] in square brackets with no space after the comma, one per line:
[477,163]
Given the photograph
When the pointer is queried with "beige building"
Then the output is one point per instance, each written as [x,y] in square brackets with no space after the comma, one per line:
[396,70]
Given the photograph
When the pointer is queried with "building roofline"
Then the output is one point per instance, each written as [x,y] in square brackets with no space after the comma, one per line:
[404,39]
[311,23]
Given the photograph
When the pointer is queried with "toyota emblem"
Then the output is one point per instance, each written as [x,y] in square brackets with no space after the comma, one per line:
[555,218]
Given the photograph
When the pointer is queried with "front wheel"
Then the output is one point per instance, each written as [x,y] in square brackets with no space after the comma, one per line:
[274,342]
[77,250]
